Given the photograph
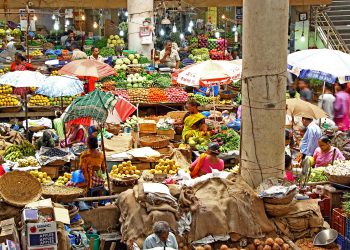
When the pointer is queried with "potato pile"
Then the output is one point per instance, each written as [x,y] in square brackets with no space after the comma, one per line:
[7,100]
[62,180]
[165,167]
[138,95]
[42,177]
[125,169]
[39,100]
[268,244]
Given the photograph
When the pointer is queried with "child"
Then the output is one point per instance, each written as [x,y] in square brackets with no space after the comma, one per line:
[288,176]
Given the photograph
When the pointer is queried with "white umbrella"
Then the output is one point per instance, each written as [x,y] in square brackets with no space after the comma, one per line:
[210,73]
[20,79]
[322,64]
[58,86]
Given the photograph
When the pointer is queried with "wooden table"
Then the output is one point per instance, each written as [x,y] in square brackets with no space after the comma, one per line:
[30,114]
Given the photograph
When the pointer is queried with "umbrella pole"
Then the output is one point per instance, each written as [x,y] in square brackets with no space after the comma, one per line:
[323,90]
[104,158]
[26,113]
[64,126]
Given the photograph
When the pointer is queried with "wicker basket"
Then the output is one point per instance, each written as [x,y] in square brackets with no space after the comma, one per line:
[124,182]
[227,96]
[343,180]
[177,115]
[11,109]
[63,193]
[275,210]
[18,188]
[280,201]
[39,108]
[113,128]
[154,141]
[36,128]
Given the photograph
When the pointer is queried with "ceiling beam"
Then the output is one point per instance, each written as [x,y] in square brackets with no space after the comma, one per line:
[113,4]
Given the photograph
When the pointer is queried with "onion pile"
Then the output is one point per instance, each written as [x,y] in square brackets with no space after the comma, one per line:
[177,95]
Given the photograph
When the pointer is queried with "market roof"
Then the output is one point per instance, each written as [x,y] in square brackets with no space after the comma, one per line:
[111,4]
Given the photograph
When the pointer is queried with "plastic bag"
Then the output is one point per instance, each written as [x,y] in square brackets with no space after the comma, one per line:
[78,177]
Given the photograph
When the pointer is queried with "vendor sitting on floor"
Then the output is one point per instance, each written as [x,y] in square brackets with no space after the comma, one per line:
[92,164]
[194,122]
[208,161]
[45,141]
[325,153]
[76,134]
[161,237]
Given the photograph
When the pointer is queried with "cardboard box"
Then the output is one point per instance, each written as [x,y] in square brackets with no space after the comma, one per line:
[8,231]
[170,133]
[30,215]
[148,126]
[41,235]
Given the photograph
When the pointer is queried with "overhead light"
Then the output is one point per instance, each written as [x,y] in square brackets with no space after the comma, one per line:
[191,23]
[174,28]
[234,28]
[53,17]
[302,38]
[95,25]
[182,36]
[236,37]
[189,29]
[67,22]
[223,17]
[121,33]
[35,18]
[217,34]
[166,21]
[161,32]
[83,17]
[126,13]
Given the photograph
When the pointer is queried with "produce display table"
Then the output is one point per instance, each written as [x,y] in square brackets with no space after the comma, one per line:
[30,114]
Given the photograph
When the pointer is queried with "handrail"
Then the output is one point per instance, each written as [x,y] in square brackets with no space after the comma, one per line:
[327,31]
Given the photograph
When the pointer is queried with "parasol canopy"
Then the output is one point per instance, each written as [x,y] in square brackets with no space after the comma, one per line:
[57,86]
[297,107]
[212,72]
[96,106]
[21,79]
[323,64]
[87,68]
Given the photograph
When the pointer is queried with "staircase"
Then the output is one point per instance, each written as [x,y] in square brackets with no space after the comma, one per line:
[332,24]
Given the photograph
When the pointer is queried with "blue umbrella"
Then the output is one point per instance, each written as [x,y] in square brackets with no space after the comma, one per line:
[58,86]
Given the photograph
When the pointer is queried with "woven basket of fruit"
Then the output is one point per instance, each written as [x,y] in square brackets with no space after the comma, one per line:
[62,193]
[10,109]
[227,94]
[125,181]
[18,188]
[154,141]
[38,103]
[9,103]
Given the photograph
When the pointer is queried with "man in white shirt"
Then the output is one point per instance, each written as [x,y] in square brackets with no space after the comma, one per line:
[326,101]
[10,46]
[96,55]
[170,57]
[161,237]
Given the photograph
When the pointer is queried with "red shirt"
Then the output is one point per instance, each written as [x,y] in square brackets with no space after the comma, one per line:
[2,170]
[20,67]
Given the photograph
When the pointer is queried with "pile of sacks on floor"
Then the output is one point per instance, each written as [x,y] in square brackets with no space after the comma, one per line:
[228,203]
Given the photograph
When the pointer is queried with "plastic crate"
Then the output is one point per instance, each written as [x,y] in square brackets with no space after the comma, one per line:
[338,220]
[340,242]
[325,206]
[346,244]
[347,228]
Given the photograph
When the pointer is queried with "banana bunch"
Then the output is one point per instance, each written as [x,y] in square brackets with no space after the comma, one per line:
[11,149]
[27,148]
[30,161]
[13,156]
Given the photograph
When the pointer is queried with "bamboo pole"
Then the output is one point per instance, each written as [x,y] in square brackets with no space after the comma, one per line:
[104,158]
[263,89]
[64,127]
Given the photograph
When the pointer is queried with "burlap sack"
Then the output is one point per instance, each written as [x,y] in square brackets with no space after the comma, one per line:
[278,210]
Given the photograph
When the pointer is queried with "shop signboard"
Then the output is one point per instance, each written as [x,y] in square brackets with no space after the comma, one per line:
[23,19]
[239,13]
[42,236]
[213,16]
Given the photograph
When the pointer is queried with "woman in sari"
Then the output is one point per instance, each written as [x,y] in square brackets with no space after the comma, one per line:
[76,134]
[325,153]
[194,122]
[92,164]
[341,107]
[206,162]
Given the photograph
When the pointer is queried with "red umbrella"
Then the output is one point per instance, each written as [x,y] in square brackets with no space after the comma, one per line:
[87,68]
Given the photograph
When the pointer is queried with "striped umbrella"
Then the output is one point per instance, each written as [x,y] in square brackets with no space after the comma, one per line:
[87,68]
[96,106]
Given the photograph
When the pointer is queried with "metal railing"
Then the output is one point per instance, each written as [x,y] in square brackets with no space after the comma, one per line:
[327,31]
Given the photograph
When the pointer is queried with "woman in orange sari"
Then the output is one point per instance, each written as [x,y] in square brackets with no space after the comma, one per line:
[92,164]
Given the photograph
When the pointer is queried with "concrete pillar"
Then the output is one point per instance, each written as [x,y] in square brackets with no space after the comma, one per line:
[265,38]
[138,10]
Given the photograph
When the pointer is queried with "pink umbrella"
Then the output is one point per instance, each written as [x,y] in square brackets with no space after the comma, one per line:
[87,68]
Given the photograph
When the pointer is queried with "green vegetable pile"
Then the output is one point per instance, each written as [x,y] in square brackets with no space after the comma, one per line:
[101,43]
[202,100]
[229,140]
[162,81]
[106,52]
[317,175]
[199,55]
